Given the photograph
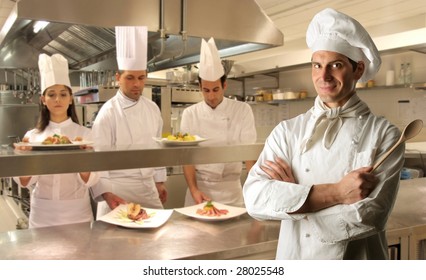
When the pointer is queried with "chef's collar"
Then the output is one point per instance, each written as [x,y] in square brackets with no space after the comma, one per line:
[219,108]
[53,124]
[124,101]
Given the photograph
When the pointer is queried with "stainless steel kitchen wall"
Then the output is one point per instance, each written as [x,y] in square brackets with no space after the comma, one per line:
[83,31]
[16,119]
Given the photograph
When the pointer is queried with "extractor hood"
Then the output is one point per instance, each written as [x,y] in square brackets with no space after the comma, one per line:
[83,30]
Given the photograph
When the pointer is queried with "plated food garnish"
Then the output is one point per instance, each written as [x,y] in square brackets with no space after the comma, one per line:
[58,139]
[210,210]
[136,213]
[181,137]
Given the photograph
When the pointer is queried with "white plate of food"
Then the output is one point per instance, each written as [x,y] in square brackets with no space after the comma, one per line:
[41,146]
[154,217]
[202,211]
[179,142]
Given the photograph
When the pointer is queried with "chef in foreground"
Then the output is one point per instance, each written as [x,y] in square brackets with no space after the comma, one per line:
[130,118]
[314,171]
[222,121]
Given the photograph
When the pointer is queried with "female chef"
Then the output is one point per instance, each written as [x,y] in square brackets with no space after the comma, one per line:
[60,198]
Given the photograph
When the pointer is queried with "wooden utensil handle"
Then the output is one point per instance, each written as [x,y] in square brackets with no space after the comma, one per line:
[385,156]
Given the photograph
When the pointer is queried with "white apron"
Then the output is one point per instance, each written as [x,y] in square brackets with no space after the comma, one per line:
[226,192]
[134,185]
[45,212]
[220,181]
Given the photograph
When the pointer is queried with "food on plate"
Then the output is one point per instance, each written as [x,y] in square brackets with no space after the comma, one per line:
[211,211]
[58,139]
[135,212]
[181,137]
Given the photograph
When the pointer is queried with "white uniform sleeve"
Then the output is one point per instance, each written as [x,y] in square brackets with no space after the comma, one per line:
[102,133]
[272,199]
[160,173]
[185,126]
[248,131]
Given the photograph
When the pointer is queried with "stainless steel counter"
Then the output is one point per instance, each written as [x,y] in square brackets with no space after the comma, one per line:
[186,238]
[406,226]
[18,163]
[180,238]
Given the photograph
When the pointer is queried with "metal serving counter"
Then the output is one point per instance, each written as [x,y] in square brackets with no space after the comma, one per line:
[18,163]
[406,227]
[180,238]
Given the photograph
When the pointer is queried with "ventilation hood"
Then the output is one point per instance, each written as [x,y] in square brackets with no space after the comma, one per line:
[83,31]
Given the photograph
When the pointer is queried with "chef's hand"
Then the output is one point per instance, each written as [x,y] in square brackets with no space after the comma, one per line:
[357,185]
[113,200]
[199,196]
[162,191]
[22,147]
[278,170]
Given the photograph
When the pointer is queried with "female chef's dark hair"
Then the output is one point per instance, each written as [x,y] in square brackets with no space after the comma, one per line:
[44,117]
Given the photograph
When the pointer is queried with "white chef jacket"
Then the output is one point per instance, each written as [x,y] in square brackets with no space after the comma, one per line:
[355,231]
[230,123]
[120,122]
[60,198]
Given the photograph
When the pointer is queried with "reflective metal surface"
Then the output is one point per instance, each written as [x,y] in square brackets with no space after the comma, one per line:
[180,238]
[186,238]
[18,163]
[83,31]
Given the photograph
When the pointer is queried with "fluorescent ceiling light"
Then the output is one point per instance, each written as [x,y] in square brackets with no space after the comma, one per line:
[7,56]
[39,25]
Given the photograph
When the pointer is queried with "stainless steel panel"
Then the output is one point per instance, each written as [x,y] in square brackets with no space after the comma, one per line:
[180,238]
[18,163]
[186,95]
[16,120]
[83,30]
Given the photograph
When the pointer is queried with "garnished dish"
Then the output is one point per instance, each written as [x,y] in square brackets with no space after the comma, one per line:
[210,210]
[58,140]
[136,213]
[181,137]
[54,142]
[133,215]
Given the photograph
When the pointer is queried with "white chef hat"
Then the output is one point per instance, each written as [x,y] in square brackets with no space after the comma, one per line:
[331,30]
[211,68]
[53,71]
[132,45]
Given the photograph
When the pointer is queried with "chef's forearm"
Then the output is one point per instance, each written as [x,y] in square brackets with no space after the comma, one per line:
[320,197]
[189,172]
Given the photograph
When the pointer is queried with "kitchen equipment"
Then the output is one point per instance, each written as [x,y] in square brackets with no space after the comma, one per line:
[285,94]
[411,130]
[186,95]
[175,29]
[303,94]
[249,98]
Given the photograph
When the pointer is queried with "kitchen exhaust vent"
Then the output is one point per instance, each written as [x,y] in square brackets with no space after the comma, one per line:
[83,31]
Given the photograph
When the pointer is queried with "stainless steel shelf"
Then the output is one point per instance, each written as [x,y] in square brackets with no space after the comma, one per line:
[21,163]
